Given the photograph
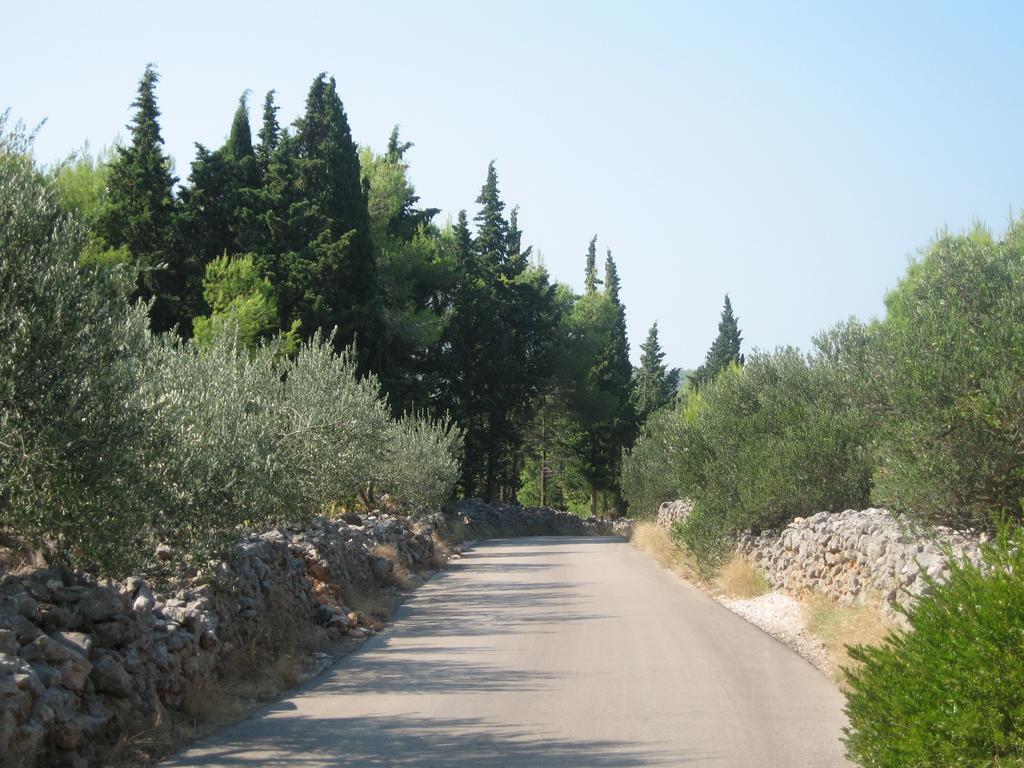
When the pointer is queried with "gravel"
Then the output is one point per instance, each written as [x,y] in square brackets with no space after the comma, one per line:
[782,617]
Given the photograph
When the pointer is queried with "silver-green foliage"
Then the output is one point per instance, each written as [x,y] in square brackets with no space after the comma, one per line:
[112,439]
[334,435]
[72,423]
[421,463]
[216,418]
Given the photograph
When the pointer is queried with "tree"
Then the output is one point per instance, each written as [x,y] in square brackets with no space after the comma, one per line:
[139,215]
[270,131]
[590,281]
[312,229]
[654,386]
[239,297]
[725,350]
[416,271]
[498,345]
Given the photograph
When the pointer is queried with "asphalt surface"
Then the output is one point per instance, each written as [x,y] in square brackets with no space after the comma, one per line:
[551,652]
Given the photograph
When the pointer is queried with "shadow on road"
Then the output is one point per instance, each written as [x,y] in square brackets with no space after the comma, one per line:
[412,742]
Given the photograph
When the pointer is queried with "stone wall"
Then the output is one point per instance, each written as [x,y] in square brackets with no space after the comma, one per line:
[85,661]
[857,555]
[671,512]
[491,521]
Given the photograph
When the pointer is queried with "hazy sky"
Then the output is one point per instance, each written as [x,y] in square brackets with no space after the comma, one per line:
[790,154]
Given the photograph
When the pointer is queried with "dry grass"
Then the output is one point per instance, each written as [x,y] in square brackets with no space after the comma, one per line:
[740,578]
[840,626]
[657,543]
[376,605]
[442,551]
[400,574]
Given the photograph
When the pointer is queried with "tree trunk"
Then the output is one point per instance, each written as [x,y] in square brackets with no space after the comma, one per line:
[593,501]
[543,476]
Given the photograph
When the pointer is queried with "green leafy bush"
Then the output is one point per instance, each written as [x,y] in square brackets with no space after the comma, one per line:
[72,424]
[651,469]
[768,442]
[216,449]
[951,691]
[949,369]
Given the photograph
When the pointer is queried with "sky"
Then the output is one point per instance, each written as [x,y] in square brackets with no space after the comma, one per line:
[792,155]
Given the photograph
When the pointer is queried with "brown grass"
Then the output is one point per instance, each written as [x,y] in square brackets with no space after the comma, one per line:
[442,551]
[400,575]
[657,543]
[840,626]
[740,578]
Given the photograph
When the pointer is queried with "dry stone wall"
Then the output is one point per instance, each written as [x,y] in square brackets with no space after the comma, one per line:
[672,512]
[857,555]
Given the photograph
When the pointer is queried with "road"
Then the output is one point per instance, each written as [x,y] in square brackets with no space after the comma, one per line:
[551,652]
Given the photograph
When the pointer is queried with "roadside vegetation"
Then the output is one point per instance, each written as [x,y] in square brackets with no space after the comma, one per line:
[920,412]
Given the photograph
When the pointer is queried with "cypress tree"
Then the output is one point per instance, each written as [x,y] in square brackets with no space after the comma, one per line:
[336,262]
[214,218]
[611,278]
[725,350]
[139,215]
[590,281]
[270,132]
[239,144]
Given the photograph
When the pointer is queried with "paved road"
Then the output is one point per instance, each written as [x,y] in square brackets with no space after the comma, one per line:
[552,652]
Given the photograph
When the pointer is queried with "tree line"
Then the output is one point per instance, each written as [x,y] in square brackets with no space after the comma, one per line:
[297,231]
[921,411]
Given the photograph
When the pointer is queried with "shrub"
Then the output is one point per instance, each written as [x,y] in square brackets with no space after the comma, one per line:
[649,468]
[951,691]
[421,465]
[335,435]
[72,425]
[216,447]
[767,442]
[950,362]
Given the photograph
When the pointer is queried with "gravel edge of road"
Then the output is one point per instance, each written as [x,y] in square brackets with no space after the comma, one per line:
[782,616]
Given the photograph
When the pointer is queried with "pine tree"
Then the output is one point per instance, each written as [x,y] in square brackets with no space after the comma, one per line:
[590,281]
[492,229]
[725,350]
[139,215]
[396,148]
[654,386]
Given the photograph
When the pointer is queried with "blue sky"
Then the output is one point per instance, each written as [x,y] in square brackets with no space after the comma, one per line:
[791,154]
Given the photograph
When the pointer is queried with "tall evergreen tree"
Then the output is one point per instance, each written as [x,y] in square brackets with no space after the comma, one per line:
[239,144]
[139,215]
[654,386]
[590,281]
[222,184]
[319,253]
[611,278]
[725,350]
[491,227]
[270,132]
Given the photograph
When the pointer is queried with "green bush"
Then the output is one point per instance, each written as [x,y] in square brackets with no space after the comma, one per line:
[776,439]
[949,367]
[649,468]
[72,424]
[216,450]
[951,691]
